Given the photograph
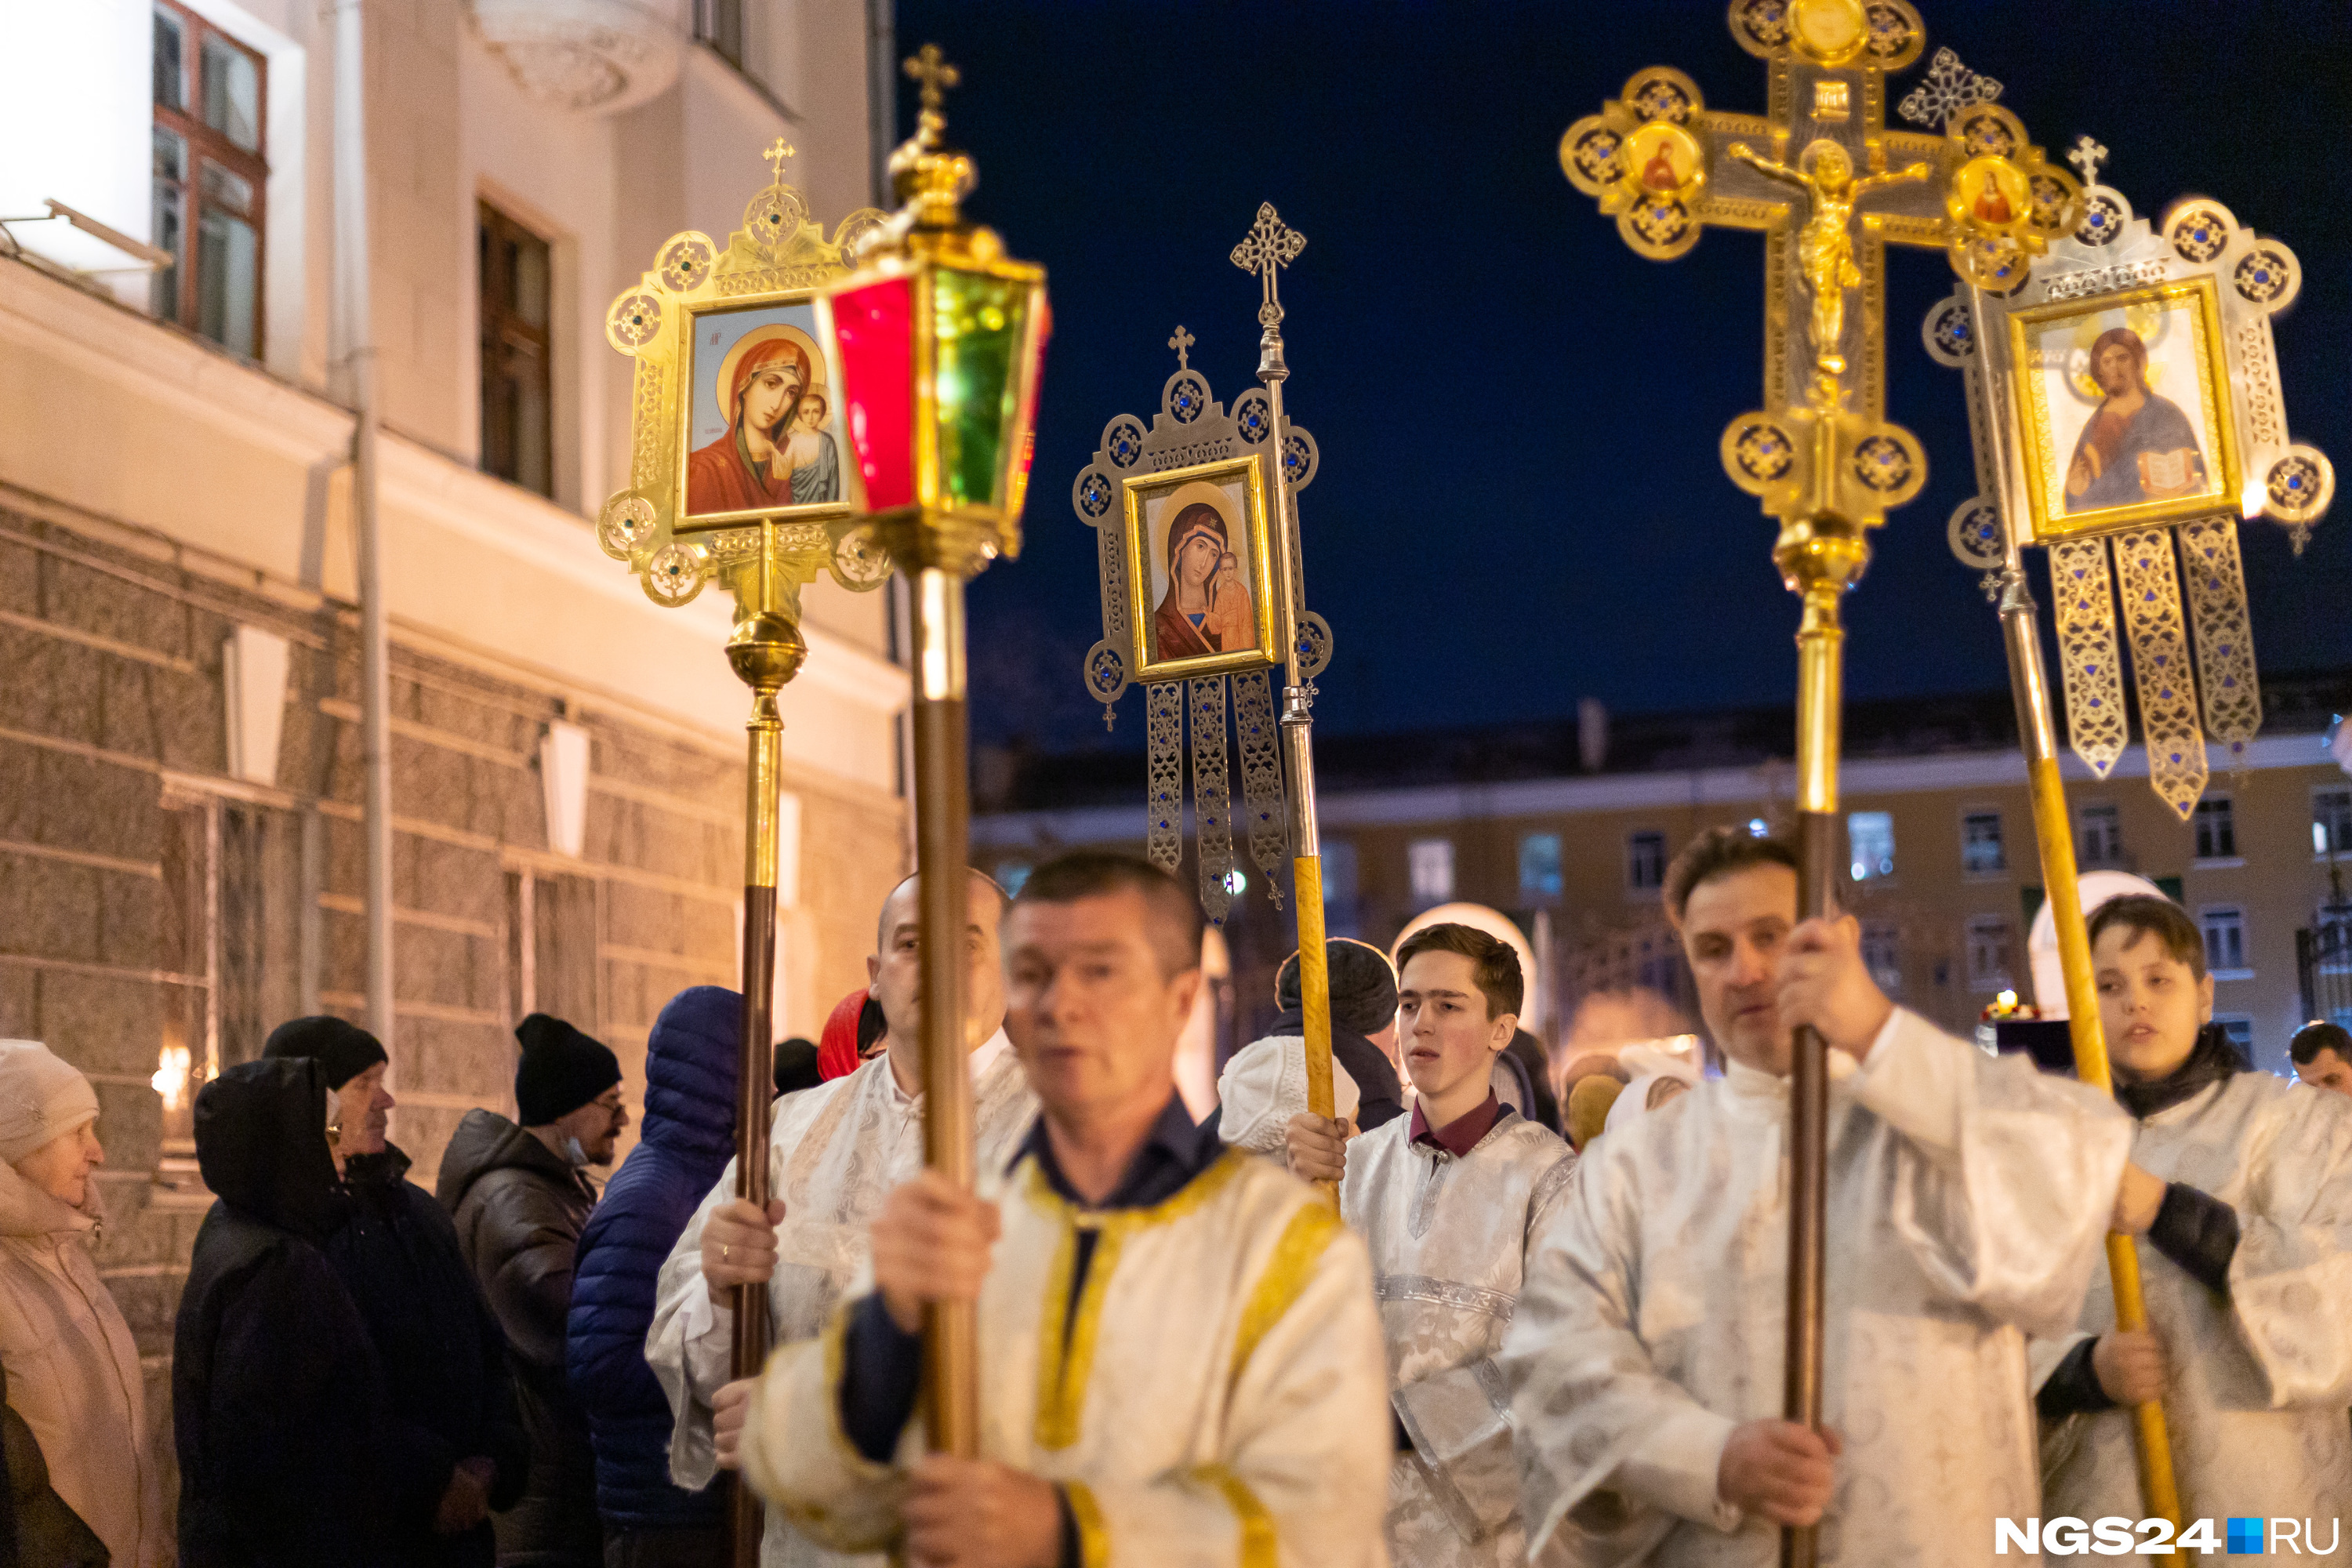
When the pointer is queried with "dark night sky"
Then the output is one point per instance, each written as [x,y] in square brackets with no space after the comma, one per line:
[1520,502]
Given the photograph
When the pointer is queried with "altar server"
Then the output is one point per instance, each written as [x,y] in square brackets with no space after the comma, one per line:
[834,1153]
[1180,1361]
[1967,1200]
[1448,1202]
[2241,1193]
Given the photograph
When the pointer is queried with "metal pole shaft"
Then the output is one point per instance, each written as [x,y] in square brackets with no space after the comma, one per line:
[1299,754]
[754,1082]
[2037,737]
[351,306]
[943,895]
[1821,656]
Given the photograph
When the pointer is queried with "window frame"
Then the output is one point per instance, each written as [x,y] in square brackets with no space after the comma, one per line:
[2219,810]
[1635,841]
[2339,846]
[2108,812]
[504,327]
[1413,854]
[1871,875]
[2212,919]
[202,144]
[1535,896]
[2000,819]
[1969,930]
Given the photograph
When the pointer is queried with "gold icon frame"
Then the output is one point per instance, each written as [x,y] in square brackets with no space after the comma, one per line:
[1257,520]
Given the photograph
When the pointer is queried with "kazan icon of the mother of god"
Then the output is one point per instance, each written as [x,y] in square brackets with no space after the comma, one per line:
[2138,445]
[774,452]
[1207,608]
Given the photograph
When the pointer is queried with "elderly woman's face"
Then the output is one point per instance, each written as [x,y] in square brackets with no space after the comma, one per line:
[61,1166]
[771,392]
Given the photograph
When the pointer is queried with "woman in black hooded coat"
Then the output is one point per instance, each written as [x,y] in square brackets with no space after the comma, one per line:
[277,1399]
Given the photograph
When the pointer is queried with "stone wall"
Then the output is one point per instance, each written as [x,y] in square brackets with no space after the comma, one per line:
[147,898]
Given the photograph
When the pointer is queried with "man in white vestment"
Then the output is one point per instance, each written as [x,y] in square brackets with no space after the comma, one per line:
[834,1151]
[1966,1197]
[2241,1188]
[1449,1201]
[1180,1360]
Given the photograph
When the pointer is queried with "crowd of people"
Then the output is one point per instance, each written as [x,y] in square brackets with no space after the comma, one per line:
[1479,1343]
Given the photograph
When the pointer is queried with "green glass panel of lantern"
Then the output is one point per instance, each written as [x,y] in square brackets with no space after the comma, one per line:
[979,326]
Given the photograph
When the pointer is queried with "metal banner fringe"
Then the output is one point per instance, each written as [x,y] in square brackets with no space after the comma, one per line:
[1212,797]
[2090,669]
[2225,642]
[1163,799]
[2150,580]
[1261,741]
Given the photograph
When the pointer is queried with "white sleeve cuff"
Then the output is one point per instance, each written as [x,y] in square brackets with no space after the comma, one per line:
[1677,1465]
[1914,1078]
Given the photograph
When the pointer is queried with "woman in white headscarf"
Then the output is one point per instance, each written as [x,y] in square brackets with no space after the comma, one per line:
[1658,1077]
[73,1369]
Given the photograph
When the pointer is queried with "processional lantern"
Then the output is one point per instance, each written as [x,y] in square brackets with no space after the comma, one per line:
[735,473]
[942,339]
[1829,186]
[1203,598]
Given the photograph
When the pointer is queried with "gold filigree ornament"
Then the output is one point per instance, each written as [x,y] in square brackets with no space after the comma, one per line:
[778,504]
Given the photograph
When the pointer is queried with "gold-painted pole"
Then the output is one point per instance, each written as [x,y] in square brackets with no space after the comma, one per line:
[1270,247]
[942,832]
[2037,737]
[766,651]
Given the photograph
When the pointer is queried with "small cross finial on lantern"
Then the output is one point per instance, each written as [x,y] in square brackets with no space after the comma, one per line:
[931,68]
[2087,156]
[778,151]
[1183,343]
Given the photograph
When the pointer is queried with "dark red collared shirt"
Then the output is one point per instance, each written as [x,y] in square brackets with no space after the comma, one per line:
[1461,1135]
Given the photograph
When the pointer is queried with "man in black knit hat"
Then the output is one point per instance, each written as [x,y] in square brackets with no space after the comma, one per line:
[519,1201]
[454,1443]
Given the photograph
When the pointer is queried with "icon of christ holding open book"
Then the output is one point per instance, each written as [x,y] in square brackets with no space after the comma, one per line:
[2138,446]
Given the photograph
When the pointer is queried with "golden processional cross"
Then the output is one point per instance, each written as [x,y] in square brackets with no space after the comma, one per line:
[1819,456]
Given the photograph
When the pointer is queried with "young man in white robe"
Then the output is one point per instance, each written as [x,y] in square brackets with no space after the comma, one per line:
[1448,1200]
[2244,1221]
[1180,1361]
[1967,1198]
[834,1152]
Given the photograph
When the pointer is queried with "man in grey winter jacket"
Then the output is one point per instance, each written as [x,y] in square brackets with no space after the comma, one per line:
[519,1201]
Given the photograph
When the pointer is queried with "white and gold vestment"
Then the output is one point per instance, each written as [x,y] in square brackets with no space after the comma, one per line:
[1216,1395]
[1967,1196]
[834,1151]
[1449,1240]
[2261,1376]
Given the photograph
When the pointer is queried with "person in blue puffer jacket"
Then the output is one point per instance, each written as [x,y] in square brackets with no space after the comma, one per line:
[688,1138]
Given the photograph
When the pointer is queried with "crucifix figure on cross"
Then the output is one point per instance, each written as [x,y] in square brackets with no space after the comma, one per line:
[1825,245]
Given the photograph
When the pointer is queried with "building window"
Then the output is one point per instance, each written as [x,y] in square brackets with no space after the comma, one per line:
[2225,941]
[2100,836]
[1645,861]
[209,179]
[2217,829]
[1881,955]
[1869,845]
[516,444]
[1983,853]
[719,24]
[2331,820]
[1988,953]
[2240,1030]
[1343,908]
[1430,862]
[1539,878]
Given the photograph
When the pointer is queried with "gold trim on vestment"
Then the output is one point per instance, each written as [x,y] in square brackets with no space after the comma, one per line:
[1259,1547]
[1094,1537]
[1065,1367]
[1296,1256]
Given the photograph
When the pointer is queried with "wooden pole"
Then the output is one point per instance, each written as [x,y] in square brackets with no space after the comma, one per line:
[766,649]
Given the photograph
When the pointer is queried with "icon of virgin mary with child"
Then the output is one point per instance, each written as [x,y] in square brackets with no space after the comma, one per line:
[776,451]
[1207,609]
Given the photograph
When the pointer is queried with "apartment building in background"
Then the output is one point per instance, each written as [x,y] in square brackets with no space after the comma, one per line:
[1569,829]
[181,861]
